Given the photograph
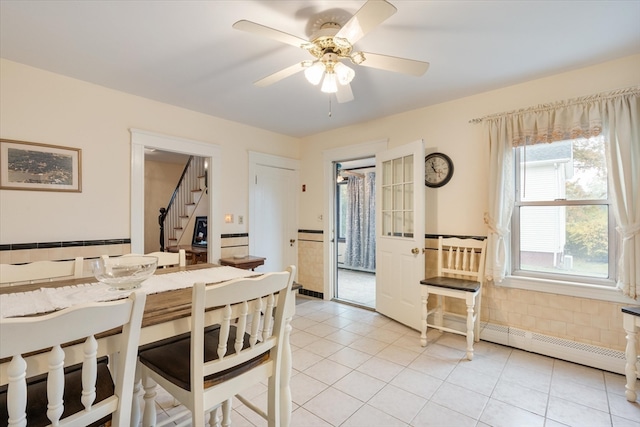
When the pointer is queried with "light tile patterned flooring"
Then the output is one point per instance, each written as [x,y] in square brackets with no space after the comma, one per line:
[354,367]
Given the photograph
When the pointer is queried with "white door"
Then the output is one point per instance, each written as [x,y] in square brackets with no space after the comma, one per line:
[273,221]
[400,223]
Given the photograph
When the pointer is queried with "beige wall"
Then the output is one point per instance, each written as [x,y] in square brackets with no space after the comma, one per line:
[43,107]
[458,207]
[40,106]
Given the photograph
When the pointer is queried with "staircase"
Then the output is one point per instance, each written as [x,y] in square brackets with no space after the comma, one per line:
[184,201]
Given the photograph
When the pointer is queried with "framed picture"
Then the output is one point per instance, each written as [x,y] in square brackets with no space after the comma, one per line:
[200,232]
[39,167]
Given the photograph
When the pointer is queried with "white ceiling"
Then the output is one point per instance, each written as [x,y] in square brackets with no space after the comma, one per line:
[187,54]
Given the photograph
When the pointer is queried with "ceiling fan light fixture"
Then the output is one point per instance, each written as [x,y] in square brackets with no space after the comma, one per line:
[344,73]
[314,73]
[329,84]
[330,43]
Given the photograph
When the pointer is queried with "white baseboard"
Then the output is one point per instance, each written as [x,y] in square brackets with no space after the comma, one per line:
[559,348]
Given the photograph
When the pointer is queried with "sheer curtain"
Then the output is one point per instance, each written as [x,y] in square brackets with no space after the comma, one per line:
[615,115]
[360,249]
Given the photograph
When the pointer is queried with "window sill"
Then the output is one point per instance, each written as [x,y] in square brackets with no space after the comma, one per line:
[581,290]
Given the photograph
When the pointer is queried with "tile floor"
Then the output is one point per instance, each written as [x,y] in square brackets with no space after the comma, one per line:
[354,367]
[358,287]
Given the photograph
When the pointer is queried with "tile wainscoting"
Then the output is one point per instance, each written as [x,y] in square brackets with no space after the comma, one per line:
[234,244]
[582,323]
[311,262]
[21,253]
[581,320]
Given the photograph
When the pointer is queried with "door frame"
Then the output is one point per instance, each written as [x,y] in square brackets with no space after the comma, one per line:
[270,160]
[350,152]
[141,140]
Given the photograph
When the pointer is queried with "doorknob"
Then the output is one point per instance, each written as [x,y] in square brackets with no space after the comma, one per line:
[291,242]
[415,251]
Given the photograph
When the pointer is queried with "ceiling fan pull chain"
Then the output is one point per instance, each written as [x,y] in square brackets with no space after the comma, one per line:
[329,105]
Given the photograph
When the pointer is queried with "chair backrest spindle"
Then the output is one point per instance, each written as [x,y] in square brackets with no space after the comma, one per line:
[237,339]
[465,257]
[69,328]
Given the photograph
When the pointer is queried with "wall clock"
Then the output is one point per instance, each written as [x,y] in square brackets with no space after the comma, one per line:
[438,170]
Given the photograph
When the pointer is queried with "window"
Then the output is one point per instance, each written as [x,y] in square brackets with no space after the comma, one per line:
[563,226]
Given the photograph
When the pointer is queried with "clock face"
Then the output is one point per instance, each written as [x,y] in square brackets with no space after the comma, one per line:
[438,170]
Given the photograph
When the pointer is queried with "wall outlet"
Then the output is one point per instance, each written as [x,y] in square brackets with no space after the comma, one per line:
[240,219]
[320,217]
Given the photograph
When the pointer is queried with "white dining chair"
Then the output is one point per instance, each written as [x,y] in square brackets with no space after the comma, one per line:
[79,389]
[241,347]
[40,271]
[460,275]
[168,259]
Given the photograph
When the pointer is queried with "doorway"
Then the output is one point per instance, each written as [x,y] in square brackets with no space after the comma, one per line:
[162,171]
[355,256]
[141,140]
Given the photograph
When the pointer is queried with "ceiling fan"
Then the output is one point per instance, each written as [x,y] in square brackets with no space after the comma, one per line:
[334,43]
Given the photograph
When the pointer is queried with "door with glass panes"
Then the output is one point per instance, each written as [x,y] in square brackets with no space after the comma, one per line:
[400,223]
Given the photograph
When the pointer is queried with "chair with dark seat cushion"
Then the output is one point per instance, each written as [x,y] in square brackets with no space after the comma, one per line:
[79,388]
[242,346]
[164,357]
[460,275]
[37,394]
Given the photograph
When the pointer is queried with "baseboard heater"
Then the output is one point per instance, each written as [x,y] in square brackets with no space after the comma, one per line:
[559,348]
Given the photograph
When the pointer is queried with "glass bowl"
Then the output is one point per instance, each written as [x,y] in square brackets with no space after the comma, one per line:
[125,272]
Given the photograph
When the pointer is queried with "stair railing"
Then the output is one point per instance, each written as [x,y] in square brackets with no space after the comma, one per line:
[171,220]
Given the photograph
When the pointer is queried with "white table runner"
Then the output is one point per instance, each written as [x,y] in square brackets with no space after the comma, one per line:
[45,300]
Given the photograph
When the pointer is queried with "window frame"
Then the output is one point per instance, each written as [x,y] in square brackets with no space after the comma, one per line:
[577,285]
[340,238]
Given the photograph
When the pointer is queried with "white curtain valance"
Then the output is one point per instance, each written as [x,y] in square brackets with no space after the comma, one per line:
[570,119]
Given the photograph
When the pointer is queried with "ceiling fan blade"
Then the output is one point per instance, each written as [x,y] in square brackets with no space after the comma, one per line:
[392,63]
[282,74]
[373,13]
[261,30]
[344,93]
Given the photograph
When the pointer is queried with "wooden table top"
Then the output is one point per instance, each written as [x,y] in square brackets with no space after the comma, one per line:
[159,308]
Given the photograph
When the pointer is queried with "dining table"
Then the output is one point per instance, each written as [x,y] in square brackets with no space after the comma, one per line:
[166,314]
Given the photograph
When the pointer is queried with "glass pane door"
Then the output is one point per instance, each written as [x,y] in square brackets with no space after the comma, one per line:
[397,197]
